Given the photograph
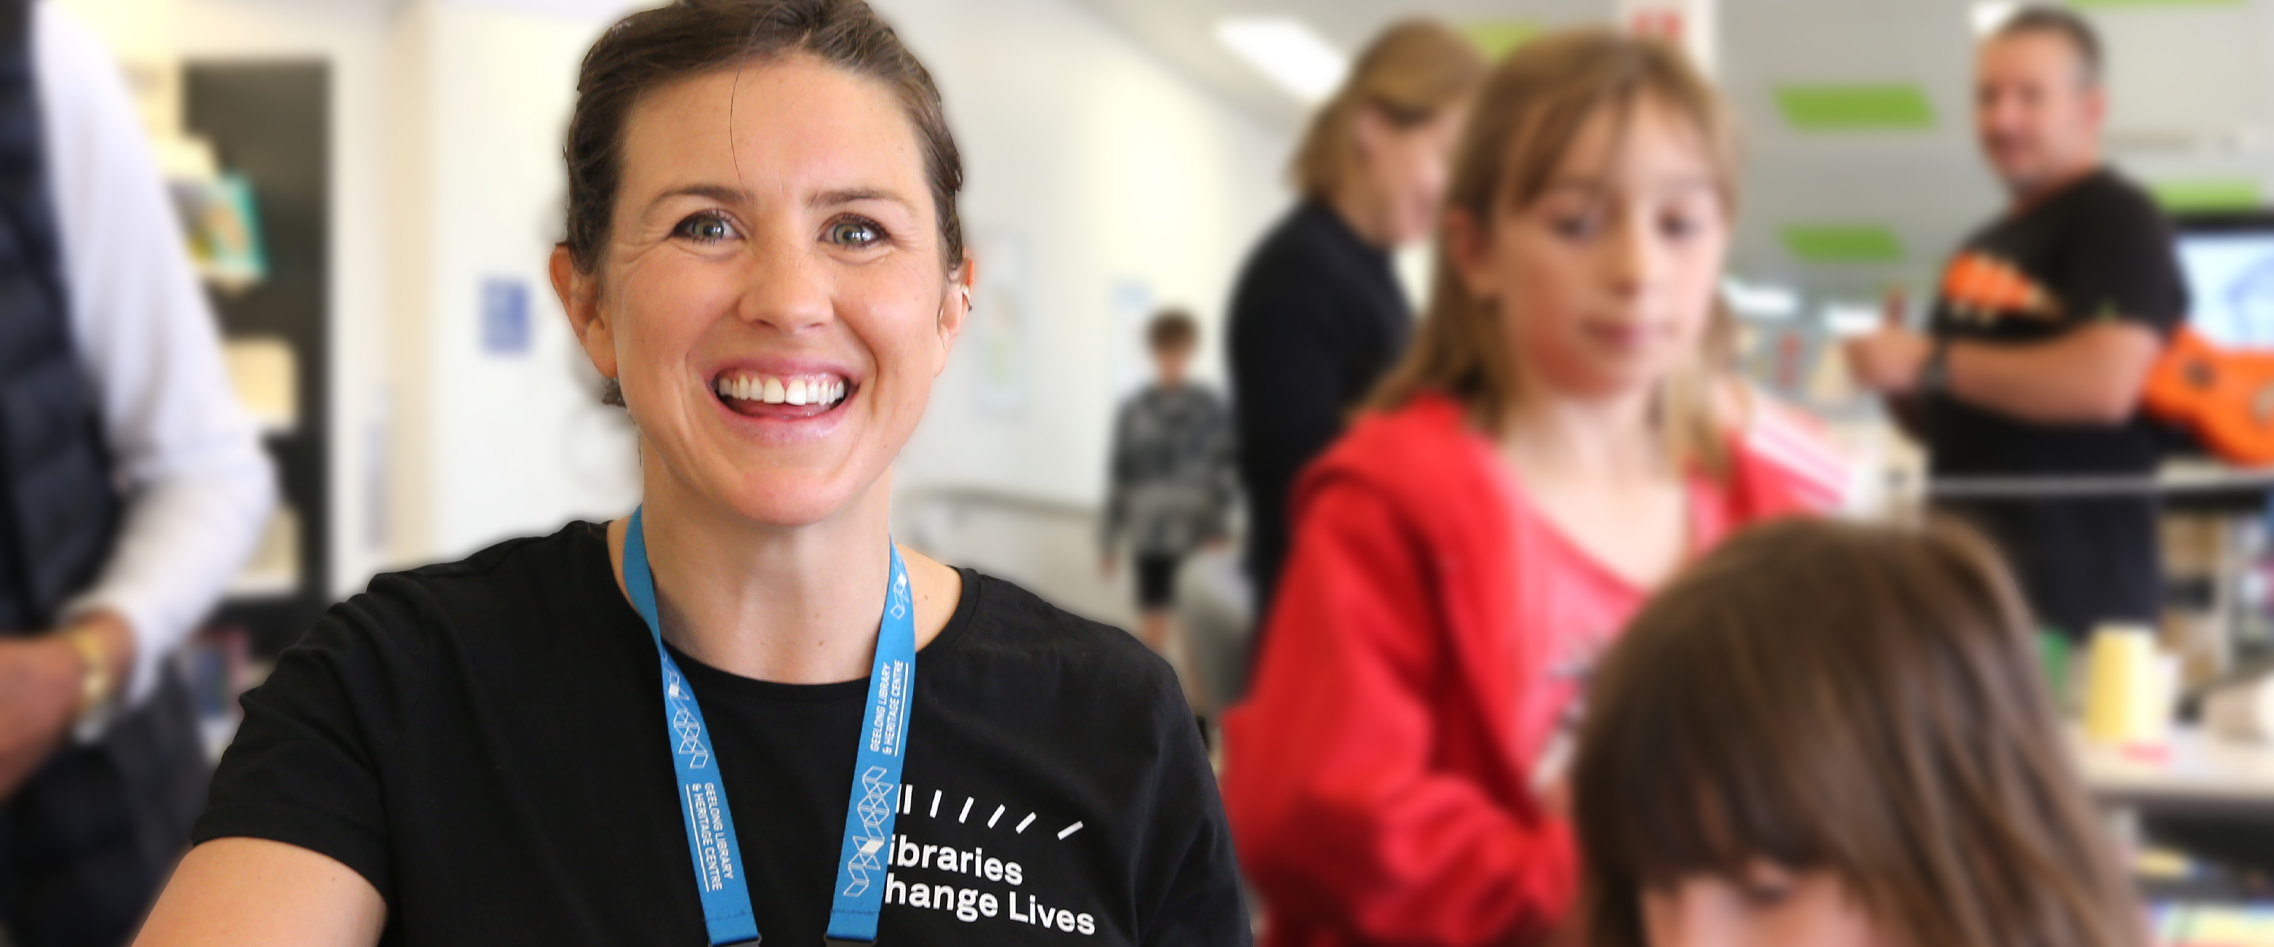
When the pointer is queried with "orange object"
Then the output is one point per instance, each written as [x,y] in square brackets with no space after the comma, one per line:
[1985,285]
[2224,396]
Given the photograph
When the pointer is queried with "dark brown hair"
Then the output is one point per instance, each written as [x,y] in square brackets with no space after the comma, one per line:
[2063,24]
[1861,700]
[651,49]
[1172,329]
[1413,71]
[1533,108]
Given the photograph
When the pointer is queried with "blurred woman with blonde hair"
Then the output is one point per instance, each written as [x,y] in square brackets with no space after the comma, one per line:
[1317,316]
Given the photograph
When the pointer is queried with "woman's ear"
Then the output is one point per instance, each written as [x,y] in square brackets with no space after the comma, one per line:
[955,311]
[579,293]
[1468,247]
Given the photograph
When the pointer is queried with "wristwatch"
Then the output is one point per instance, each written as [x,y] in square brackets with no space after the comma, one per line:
[1934,374]
[96,684]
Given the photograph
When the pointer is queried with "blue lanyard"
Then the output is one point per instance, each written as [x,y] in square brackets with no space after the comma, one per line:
[719,869]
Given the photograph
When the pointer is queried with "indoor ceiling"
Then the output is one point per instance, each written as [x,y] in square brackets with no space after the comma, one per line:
[1860,166]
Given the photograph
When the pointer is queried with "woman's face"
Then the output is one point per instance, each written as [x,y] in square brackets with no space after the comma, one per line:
[773,299]
[1407,169]
[1769,907]
[1606,281]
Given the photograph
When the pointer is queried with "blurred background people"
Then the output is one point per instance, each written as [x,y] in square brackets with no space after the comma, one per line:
[1561,439]
[134,487]
[1172,487]
[2041,338]
[1836,734]
[1317,315]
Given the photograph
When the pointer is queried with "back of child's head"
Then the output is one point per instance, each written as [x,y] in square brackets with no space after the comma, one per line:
[1851,699]
[1534,109]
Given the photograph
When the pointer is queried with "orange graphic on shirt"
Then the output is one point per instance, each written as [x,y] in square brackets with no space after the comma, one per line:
[1984,287]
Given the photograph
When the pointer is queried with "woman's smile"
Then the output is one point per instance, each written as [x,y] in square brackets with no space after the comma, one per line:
[783,392]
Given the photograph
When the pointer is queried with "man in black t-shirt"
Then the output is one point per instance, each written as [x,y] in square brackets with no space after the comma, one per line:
[2043,331]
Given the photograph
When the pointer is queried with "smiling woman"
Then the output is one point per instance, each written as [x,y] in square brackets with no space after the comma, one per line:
[557,739]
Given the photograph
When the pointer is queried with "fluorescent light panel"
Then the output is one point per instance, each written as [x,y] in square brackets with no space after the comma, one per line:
[1845,319]
[1764,301]
[1988,15]
[1289,53]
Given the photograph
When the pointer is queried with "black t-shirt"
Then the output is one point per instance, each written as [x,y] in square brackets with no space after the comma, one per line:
[2097,250]
[484,741]
[1317,319]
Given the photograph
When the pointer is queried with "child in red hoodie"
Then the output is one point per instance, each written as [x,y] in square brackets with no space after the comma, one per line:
[1559,441]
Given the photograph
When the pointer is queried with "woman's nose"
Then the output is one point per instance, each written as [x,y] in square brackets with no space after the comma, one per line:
[787,288]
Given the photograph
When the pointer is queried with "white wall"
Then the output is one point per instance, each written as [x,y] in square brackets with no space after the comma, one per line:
[494,444]
[1106,169]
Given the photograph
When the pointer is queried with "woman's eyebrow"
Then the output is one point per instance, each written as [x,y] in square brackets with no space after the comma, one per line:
[714,192]
[841,197]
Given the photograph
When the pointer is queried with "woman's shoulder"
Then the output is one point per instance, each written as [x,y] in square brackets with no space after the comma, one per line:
[520,582]
[1300,252]
[1001,631]
[1420,465]
[1420,447]
[522,565]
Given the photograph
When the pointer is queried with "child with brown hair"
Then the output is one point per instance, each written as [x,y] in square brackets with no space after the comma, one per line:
[1560,440]
[1833,734]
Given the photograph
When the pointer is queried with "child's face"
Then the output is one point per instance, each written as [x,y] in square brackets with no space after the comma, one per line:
[1769,907]
[1606,281]
[1171,361]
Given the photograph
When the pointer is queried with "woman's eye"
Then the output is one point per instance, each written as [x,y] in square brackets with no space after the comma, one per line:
[855,233]
[1678,226]
[705,228]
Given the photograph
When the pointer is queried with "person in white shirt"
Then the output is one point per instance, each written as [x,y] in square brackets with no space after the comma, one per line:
[132,487]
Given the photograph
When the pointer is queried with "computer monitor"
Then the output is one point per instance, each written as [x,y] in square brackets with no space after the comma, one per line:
[2228,260]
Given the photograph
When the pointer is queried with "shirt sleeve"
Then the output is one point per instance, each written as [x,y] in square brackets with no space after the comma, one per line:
[2121,263]
[1116,516]
[199,487]
[308,766]
[1193,887]
[1342,812]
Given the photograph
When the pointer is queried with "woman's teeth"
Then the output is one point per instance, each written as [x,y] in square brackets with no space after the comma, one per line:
[770,389]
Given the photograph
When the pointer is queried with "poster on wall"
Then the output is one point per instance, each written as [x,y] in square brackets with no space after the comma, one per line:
[1132,309]
[1000,324]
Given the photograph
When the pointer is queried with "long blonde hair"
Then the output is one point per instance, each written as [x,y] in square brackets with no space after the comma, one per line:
[1415,70]
[1534,106]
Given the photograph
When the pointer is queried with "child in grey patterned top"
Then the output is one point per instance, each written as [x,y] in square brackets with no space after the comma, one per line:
[1171,479]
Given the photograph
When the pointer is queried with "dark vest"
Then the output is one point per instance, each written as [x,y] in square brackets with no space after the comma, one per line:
[59,506]
[87,840]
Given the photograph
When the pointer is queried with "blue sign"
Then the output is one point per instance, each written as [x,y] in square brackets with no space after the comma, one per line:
[505,316]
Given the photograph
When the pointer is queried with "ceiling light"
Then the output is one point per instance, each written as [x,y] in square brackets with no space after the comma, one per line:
[1765,301]
[1990,14]
[1289,53]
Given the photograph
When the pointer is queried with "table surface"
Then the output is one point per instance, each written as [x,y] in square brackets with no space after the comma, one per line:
[2195,769]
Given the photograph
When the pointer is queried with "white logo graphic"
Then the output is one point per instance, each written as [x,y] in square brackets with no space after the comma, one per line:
[877,798]
[690,730]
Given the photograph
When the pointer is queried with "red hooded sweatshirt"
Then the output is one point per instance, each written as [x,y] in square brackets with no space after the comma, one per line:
[1426,652]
